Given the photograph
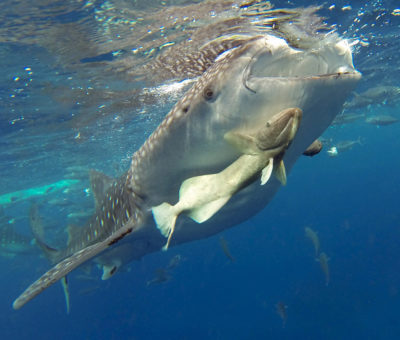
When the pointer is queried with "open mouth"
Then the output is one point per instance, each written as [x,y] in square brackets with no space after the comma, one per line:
[278,60]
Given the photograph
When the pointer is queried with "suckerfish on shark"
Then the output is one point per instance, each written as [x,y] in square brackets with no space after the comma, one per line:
[323,261]
[225,248]
[202,196]
[313,236]
[246,89]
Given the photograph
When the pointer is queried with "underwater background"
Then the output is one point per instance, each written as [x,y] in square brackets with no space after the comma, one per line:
[55,127]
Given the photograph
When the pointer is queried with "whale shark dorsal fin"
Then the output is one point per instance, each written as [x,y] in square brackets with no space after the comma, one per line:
[280,173]
[99,183]
[267,171]
[243,143]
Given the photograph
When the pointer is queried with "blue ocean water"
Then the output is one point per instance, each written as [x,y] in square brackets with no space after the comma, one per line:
[56,124]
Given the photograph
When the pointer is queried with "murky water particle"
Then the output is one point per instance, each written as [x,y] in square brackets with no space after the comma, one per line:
[346,8]
[12,122]
[331,7]
[16,78]
[27,69]
[88,4]
[396,12]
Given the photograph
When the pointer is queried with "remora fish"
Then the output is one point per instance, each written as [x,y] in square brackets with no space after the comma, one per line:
[281,310]
[161,277]
[381,120]
[323,261]
[243,90]
[314,149]
[225,248]
[313,236]
[375,95]
[346,145]
[348,118]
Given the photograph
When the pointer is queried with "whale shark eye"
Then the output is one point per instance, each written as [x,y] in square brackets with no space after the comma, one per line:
[208,93]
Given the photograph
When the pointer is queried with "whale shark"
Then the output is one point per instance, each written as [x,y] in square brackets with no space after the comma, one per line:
[224,122]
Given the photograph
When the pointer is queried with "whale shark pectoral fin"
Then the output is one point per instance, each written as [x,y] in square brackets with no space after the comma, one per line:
[280,173]
[67,265]
[165,217]
[64,284]
[245,144]
[203,196]
[207,210]
[267,171]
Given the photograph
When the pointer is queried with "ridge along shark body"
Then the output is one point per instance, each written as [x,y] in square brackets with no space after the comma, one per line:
[240,92]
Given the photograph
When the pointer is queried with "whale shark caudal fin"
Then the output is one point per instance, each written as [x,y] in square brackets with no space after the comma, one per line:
[67,265]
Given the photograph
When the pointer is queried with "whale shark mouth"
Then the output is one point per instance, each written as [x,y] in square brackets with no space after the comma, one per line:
[277,61]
